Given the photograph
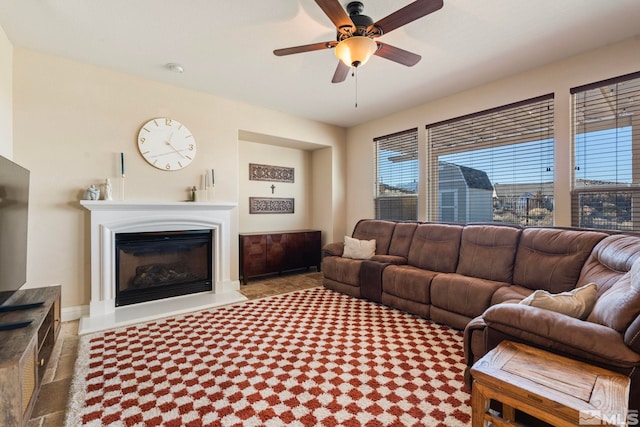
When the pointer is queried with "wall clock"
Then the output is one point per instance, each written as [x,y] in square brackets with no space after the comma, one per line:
[166,144]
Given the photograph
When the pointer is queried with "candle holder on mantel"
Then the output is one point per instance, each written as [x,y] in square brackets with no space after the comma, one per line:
[122,176]
[208,184]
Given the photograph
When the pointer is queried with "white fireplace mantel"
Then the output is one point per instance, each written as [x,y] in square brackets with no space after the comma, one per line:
[109,218]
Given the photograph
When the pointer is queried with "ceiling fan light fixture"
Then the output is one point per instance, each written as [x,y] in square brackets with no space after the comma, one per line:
[356,51]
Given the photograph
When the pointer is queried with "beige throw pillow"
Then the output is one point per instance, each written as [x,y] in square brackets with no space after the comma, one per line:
[358,249]
[577,303]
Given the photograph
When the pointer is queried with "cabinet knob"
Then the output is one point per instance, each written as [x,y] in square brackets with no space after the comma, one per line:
[41,362]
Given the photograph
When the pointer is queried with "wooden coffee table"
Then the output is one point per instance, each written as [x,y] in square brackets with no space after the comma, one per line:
[551,388]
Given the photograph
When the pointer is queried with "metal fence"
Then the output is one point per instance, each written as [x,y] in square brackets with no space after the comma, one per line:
[526,210]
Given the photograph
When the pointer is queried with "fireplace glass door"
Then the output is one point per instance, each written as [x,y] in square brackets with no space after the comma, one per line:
[156,265]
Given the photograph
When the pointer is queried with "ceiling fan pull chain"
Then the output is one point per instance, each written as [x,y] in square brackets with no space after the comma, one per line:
[355,73]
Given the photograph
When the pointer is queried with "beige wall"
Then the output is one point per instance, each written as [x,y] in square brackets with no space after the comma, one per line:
[325,177]
[71,121]
[558,78]
[328,186]
[6,96]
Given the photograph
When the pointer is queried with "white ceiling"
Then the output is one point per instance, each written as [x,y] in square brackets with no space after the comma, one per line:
[225,46]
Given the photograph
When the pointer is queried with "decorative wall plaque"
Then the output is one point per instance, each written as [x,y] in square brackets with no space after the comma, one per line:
[269,205]
[270,173]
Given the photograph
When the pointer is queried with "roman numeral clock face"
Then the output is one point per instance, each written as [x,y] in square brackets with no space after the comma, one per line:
[166,144]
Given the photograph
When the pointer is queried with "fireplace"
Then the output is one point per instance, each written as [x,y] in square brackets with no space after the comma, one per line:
[157,265]
[112,219]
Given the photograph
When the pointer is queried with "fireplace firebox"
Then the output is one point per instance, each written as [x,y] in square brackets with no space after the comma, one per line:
[156,265]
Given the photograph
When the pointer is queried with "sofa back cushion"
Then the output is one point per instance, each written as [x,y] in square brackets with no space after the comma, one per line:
[551,259]
[401,239]
[619,306]
[435,247]
[488,251]
[381,231]
[610,259]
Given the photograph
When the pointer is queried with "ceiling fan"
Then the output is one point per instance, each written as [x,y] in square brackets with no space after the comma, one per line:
[356,32]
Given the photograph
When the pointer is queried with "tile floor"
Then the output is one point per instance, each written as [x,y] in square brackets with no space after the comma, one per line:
[50,407]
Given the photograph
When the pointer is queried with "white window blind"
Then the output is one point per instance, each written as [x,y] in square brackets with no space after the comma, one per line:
[606,142]
[396,176]
[494,165]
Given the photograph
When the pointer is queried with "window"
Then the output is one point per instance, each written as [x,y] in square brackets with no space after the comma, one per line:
[606,143]
[494,165]
[396,176]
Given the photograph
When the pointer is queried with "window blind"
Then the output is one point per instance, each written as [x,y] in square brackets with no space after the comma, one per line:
[606,146]
[396,176]
[494,165]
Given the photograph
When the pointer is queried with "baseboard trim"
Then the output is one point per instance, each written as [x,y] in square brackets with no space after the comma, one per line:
[74,313]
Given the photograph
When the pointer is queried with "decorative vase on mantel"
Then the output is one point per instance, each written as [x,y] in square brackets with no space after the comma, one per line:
[108,190]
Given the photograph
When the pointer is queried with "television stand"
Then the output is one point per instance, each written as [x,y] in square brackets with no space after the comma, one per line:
[26,350]
[17,307]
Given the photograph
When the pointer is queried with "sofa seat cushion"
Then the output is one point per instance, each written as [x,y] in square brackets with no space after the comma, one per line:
[344,270]
[488,251]
[576,303]
[565,334]
[551,259]
[469,296]
[512,293]
[408,283]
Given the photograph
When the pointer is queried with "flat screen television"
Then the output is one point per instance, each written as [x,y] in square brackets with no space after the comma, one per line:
[14,215]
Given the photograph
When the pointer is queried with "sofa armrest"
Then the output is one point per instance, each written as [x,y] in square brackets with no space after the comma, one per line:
[371,280]
[474,346]
[475,327]
[333,249]
[632,336]
[389,259]
[562,333]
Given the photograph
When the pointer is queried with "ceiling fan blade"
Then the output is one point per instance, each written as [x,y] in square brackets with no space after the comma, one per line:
[341,73]
[407,14]
[398,55]
[334,10]
[304,48]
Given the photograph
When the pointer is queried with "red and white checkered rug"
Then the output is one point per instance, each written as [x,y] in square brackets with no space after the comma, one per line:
[308,358]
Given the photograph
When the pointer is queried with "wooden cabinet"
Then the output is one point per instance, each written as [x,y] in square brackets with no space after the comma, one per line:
[25,352]
[274,252]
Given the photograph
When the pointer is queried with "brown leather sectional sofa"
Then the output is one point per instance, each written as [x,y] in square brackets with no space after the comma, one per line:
[471,277]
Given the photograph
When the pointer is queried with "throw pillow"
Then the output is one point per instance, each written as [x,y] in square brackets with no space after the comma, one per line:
[358,249]
[577,303]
